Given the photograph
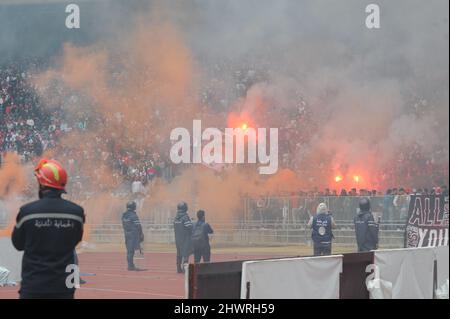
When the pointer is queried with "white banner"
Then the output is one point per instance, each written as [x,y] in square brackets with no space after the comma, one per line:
[442,257]
[292,278]
[10,259]
[407,272]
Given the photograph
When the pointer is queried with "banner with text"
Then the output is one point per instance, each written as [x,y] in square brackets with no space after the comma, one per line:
[427,224]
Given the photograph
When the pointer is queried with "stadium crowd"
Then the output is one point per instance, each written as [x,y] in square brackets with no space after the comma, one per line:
[28,128]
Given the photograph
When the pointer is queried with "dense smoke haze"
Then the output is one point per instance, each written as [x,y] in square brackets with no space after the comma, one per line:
[364,96]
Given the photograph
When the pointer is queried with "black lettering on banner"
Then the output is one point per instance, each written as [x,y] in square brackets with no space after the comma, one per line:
[427,223]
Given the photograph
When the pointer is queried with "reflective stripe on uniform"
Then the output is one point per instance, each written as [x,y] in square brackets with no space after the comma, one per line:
[49,215]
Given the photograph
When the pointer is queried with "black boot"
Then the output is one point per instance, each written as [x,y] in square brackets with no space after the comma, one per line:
[130,260]
[134,268]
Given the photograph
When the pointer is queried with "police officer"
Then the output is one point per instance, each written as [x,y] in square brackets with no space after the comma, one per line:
[183,232]
[366,228]
[133,234]
[200,238]
[48,230]
[322,224]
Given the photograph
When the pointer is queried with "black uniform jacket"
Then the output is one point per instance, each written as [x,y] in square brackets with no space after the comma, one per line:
[47,230]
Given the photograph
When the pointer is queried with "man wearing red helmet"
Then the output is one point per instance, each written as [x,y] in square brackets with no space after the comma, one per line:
[48,230]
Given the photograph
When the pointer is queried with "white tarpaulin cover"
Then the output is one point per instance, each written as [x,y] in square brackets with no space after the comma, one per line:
[379,289]
[409,272]
[442,291]
[442,256]
[4,276]
[10,259]
[292,278]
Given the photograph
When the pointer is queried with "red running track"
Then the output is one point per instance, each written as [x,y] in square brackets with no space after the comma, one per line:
[107,277]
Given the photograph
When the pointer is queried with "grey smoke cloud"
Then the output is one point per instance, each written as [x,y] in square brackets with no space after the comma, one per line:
[357,82]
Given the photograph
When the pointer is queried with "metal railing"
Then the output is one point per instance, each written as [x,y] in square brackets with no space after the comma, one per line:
[272,220]
[250,234]
[300,208]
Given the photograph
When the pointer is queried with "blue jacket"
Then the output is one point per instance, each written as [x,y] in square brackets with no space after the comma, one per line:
[321,229]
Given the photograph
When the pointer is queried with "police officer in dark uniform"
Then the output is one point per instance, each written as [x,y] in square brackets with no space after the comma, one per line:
[183,232]
[322,224]
[133,234]
[48,230]
[200,238]
[366,228]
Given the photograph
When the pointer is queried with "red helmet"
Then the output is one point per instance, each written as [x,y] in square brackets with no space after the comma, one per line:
[51,173]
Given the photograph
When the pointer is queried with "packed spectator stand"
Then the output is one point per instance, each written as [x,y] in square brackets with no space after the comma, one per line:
[29,129]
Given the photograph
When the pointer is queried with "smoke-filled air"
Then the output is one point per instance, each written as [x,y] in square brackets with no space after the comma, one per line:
[355,108]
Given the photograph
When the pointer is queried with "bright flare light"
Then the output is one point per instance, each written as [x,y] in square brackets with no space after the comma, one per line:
[244,126]
[338,179]
[356,178]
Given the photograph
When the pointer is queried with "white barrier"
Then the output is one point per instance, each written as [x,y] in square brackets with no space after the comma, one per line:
[409,273]
[292,278]
[10,259]
[441,255]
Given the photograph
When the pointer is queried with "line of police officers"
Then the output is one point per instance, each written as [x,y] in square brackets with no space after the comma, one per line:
[189,237]
[193,237]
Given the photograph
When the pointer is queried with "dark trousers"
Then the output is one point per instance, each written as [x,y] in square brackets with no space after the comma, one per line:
[182,258]
[76,262]
[204,253]
[25,295]
[321,249]
[130,258]
[75,257]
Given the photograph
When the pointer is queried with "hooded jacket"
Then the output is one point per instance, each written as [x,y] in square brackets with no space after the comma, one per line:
[322,224]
